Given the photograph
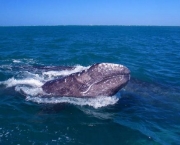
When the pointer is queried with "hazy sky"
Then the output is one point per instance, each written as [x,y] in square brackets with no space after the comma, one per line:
[89,12]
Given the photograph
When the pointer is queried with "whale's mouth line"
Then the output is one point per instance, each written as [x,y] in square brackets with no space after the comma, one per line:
[105,79]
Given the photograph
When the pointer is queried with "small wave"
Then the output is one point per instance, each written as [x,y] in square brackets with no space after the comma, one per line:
[24,60]
[97,102]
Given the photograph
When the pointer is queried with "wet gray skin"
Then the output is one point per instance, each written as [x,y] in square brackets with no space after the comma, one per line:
[102,79]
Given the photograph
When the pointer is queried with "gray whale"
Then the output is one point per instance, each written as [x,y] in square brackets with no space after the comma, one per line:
[101,79]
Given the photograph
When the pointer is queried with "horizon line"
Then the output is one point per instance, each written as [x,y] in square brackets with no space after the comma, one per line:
[90,25]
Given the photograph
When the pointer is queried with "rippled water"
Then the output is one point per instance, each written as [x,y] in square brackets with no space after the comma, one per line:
[146,111]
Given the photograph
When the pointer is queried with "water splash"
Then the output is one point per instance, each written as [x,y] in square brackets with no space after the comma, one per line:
[27,81]
[97,102]
[52,74]
[29,84]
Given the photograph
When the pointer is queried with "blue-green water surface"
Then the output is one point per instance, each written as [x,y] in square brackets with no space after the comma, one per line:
[146,111]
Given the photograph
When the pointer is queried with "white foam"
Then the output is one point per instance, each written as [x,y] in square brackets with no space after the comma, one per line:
[52,74]
[23,61]
[97,102]
[29,90]
[7,67]
[16,61]
[28,81]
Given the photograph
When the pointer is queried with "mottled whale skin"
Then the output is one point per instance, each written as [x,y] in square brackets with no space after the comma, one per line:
[101,79]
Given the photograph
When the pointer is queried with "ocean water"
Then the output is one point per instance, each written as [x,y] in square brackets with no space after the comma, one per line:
[145,112]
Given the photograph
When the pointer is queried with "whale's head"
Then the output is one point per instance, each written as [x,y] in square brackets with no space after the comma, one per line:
[103,79]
